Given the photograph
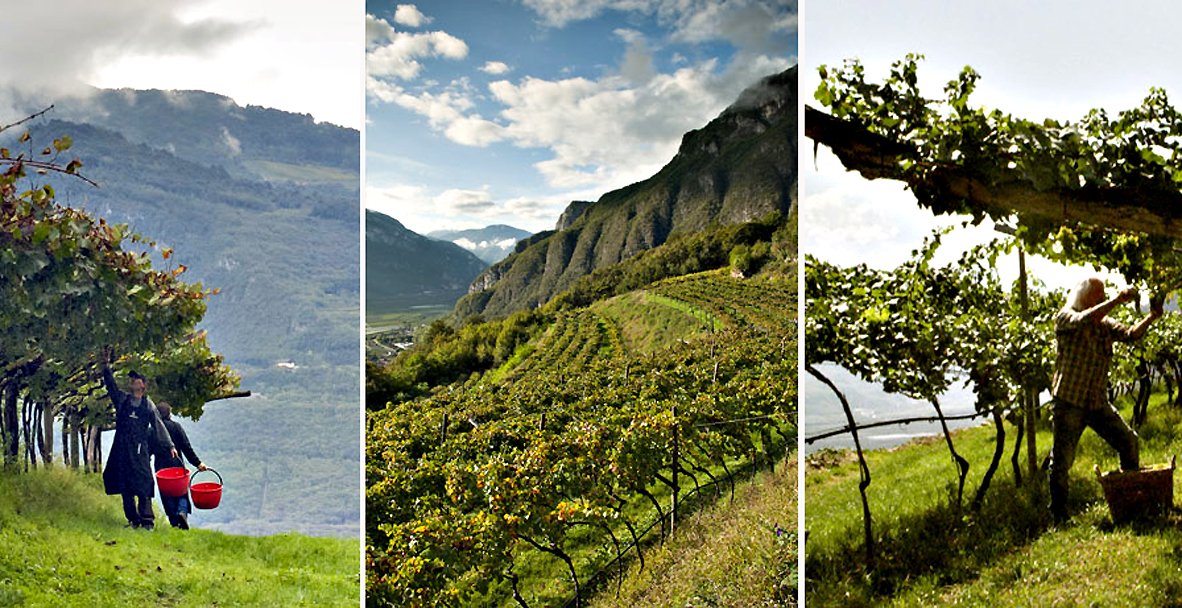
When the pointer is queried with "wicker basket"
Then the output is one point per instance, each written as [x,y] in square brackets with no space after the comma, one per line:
[1146,492]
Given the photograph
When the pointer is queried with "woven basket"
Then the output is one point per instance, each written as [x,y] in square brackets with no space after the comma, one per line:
[1144,493]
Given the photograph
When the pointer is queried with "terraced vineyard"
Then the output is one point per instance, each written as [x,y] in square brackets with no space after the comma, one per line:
[518,486]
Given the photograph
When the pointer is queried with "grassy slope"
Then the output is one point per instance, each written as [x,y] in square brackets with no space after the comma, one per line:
[1008,554]
[648,322]
[65,545]
[725,555]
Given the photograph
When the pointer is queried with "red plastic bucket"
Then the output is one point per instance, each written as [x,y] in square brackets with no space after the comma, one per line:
[173,481]
[206,495]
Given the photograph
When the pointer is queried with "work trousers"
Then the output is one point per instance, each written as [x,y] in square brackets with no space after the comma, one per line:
[1069,422]
[174,506]
[141,515]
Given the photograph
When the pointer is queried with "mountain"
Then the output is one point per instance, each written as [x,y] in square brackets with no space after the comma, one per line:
[212,129]
[491,243]
[739,167]
[273,221]
[404,268]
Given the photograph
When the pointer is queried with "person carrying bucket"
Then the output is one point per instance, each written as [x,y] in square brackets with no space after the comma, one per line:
[176,507]
[137,429]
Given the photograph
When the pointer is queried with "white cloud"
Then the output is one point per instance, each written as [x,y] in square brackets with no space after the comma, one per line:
[757,26]
[423,210]
[56,48]
[567,117]
[750,25]
[559,13]
[465,201]
[410,16]
[474,131]
[495,68]
[637,66]
[231,142]
[391,53]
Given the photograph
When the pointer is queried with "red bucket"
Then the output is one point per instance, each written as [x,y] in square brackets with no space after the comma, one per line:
[206,495]
[173,481]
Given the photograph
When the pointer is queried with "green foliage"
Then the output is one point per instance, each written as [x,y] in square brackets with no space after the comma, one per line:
[501,480]
[74,289]
[1139,150]
[919,326]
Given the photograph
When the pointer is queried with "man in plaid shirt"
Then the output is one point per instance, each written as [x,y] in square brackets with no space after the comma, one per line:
[1084,335]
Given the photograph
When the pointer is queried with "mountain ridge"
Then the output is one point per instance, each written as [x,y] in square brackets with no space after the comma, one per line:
[404,268]
[738,167]
[490,243]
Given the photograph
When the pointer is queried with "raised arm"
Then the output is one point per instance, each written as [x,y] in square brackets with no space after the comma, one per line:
[1137,331]
[117,396]
[1102,309]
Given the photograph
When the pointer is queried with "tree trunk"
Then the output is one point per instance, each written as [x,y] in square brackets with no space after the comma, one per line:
[65,441]
[75,447]
[1018,446]
[999,448]
[96,448]
[46,434]
[962,465]
[864,469]
[11,426]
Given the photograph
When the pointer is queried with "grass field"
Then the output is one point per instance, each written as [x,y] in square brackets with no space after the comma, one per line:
[65,544]
[932,553]
[728,554]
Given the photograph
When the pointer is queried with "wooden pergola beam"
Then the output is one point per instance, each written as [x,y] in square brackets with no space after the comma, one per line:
[1153,212]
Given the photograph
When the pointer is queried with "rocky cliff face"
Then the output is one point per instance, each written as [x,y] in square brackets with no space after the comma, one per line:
[739,167]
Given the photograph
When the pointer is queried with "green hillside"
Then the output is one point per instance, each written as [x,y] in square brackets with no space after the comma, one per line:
[573,425]
[932,553]
[65,545]
[406,270]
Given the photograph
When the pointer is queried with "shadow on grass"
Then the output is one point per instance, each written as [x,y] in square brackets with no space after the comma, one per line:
[945,544]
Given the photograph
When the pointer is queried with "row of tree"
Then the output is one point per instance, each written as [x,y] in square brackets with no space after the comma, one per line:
[71,287]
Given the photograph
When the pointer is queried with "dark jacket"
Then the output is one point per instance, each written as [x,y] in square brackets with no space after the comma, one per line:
[163,456]
[137,428]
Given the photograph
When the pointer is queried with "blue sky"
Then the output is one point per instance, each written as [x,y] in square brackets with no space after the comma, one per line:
[505,111]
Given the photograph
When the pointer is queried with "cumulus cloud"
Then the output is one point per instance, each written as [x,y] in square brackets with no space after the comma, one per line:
[495,68]
[761,26]
[422,209]
[57,47]
[474,131]
[410,16]
[559,13]
[391,53]
[646,125]
[751,26]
